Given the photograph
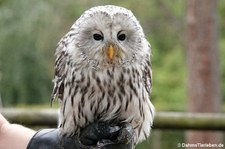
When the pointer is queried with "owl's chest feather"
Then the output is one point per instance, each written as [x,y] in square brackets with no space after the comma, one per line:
[113,95]
[109,95]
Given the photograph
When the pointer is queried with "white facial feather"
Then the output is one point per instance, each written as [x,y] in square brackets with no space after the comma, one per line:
[109,21]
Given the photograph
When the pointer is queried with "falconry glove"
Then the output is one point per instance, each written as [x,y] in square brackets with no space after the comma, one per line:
[94,136]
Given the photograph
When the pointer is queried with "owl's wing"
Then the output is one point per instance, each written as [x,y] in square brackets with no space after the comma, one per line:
[59,74]
[147,75]
[60,64]
[147,69]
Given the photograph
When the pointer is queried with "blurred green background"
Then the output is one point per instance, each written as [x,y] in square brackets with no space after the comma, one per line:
[30,30]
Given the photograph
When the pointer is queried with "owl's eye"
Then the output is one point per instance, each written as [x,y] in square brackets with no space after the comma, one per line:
[121,37]
[97,37]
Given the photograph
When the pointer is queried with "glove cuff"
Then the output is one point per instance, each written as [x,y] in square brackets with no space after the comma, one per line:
[50,139]
[45,138]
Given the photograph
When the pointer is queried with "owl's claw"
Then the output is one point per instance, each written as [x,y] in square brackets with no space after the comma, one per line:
[123,139]
[104,142]
[95,132]
[126,133]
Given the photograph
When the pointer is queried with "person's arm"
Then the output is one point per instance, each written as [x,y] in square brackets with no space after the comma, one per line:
[13,135]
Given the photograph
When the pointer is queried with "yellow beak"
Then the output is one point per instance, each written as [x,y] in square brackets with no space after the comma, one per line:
[110,52]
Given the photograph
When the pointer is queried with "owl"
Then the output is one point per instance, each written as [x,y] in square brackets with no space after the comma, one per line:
[103,72]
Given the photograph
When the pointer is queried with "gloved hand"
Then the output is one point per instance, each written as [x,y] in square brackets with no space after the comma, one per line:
[95,136]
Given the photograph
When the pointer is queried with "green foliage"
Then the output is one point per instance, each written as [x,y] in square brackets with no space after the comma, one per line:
[222,66]
[24,74]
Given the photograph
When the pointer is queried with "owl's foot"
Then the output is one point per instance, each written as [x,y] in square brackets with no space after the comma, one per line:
[122,140]
[99,132]
[126,133]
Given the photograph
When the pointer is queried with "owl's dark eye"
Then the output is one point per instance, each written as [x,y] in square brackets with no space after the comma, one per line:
[97,37]
[121,37]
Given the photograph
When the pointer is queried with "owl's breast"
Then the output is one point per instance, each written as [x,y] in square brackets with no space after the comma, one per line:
[113,95]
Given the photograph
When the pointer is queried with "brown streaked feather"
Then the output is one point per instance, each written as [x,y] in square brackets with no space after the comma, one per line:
[147,77]
[59,75]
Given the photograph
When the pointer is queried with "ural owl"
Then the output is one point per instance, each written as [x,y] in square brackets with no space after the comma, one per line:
[103,72]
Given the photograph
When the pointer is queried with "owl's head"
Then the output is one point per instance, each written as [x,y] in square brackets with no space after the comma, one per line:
[108,36]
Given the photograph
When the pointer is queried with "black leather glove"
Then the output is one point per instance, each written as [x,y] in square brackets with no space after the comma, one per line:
[95,136]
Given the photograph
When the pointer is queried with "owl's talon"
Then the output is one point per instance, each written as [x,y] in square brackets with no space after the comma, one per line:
[126,133]
[104,142]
